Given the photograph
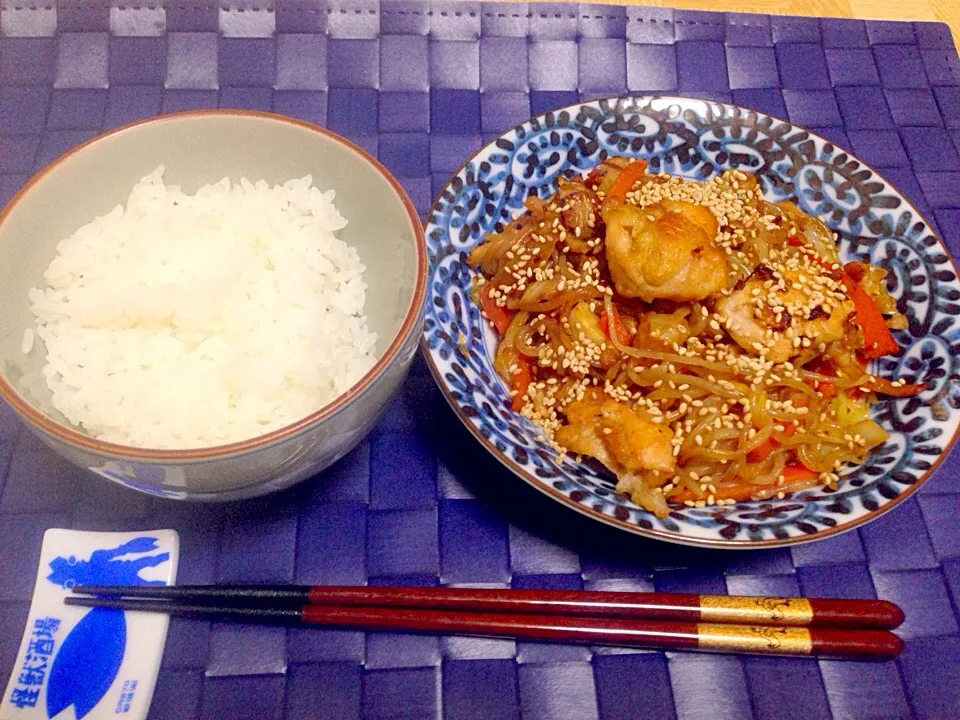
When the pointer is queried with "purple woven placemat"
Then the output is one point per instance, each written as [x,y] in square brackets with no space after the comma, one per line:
[423,86]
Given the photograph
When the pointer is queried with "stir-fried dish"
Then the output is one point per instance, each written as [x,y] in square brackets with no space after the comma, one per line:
[705,345]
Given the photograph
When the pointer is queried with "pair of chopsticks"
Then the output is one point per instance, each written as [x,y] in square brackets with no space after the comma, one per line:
[836,628]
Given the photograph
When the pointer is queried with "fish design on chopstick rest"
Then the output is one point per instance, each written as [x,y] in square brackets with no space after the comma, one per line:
[87,670]
[90,656]
[88,662]
[107,567]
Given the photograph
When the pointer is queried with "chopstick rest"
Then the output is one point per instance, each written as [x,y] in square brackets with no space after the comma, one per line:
[75,662]
[654,634]
[688,607]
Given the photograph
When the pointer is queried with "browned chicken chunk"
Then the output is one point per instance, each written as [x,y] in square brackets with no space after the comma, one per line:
[664,251]
[780,315]
[620,438]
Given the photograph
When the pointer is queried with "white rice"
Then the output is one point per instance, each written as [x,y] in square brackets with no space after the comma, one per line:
[193,320]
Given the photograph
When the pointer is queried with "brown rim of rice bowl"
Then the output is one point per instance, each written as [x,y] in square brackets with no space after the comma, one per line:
[68,434]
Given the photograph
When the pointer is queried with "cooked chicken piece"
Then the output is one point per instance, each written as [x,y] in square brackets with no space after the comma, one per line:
[746,188]
[699,215]
[585,438]
[620,438]
[765,315]
[664,251]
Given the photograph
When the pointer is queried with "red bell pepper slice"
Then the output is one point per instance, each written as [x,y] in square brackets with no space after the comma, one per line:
[520,380]
[622,336]
[878,340]
[499,316]
[627,179]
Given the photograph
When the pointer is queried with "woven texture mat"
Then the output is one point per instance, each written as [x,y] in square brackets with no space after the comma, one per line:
[422,86]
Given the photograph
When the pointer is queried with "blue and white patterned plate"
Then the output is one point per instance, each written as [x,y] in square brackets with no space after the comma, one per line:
[699,139]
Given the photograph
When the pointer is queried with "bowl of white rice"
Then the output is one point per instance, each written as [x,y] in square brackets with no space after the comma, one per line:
[208,305]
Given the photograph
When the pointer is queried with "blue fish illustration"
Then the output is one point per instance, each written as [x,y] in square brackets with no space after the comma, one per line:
[88,661]
[103,567]
[91,655]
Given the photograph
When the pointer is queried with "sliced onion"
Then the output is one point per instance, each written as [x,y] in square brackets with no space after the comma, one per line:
[871,432]
[582,205]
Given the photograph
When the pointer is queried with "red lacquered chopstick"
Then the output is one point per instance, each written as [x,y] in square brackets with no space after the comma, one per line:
[652,634]
[687,607]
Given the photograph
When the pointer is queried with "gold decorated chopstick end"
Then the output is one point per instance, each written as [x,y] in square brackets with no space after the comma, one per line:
[749,610]
[842,643]
[762,639]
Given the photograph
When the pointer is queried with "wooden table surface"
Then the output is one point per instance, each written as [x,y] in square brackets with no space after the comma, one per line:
[947,11]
